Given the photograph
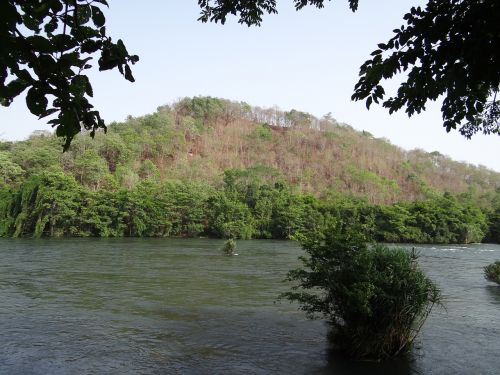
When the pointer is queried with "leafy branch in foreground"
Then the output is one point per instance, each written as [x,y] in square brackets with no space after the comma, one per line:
[251,12]
[45,48]
[451,48]
[376,299]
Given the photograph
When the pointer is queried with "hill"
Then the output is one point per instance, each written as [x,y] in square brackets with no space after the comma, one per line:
[196,139]
[212,166]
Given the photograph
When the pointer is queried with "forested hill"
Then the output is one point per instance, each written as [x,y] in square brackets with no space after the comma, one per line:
[207,166]
[196,139]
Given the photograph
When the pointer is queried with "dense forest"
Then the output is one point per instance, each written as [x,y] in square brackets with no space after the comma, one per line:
[213,167]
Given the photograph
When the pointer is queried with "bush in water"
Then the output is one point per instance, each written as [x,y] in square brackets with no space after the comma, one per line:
[229,247]
[375,298]
[492,272]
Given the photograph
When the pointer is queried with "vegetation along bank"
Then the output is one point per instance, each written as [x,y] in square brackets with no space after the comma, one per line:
[212,167]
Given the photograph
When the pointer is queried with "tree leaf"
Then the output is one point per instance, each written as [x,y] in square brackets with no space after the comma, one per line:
[368,102]
[40,44]
[98,17]
[128,74]
[36,101]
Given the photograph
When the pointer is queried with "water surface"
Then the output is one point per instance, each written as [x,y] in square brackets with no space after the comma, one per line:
[169,306]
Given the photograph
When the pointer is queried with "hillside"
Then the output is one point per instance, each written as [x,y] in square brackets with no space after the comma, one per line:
[211,167]
[196,139]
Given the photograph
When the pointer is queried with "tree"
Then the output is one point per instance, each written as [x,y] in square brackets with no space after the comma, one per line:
[48,204]
[229,218]
[451,48]
[90,169]
[45,48]
[10,172]
[37,154]
[493,234]
[149,171]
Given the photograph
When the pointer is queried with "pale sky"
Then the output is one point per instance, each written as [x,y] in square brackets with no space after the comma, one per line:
[307,60]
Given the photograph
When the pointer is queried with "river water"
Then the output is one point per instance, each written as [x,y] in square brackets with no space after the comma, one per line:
[171,306]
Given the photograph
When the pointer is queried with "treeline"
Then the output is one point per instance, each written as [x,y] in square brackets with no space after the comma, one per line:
[211,110]
[252,203]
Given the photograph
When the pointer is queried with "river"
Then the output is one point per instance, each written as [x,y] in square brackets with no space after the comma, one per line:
[173,306]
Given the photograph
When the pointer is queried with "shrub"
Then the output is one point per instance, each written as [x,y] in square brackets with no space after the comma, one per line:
[229,218]
[492,272]
[375,298]
[229,247]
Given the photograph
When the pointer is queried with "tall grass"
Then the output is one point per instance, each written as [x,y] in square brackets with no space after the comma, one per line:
[375,298]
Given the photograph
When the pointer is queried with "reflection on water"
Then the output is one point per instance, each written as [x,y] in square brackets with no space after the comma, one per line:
[154,306]
[334,363]
[494,293]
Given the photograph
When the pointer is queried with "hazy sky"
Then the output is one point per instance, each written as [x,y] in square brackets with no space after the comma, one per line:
[306,60]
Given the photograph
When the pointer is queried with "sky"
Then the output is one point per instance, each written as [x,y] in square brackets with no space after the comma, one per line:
[307,60]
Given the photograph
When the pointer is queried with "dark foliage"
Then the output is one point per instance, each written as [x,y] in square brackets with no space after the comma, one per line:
[493,234]
[450,48]
[250,12]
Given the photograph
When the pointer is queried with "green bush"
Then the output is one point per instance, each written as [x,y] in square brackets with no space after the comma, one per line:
[263,132]
[229,247]
[375,298]
[229,219]
[492,272]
